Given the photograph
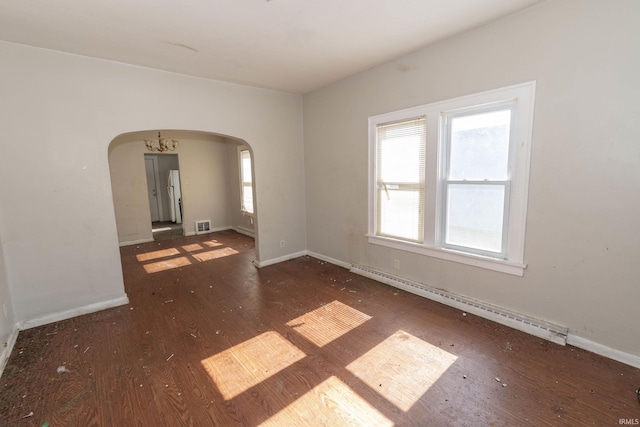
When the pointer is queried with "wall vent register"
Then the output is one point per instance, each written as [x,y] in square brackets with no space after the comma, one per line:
[203,226]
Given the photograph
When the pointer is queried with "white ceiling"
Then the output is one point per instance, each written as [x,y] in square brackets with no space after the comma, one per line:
[291,45]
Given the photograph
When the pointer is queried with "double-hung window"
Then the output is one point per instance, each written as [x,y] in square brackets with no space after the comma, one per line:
[246,181]
[450,179]
[400,179]
[476,181]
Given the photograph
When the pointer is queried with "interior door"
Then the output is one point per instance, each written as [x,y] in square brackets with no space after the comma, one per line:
[151,167]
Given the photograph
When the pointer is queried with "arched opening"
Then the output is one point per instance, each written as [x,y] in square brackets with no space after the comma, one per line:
[212,196]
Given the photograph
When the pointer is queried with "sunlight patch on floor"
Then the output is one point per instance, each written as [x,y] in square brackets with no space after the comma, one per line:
[331,403]
[402,368]
[192,247]
[325,324]
[148,256]
[245,365]
[212,243]
[168,264]
[214,254]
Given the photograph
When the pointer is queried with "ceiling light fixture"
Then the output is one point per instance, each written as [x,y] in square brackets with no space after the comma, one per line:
[163,145]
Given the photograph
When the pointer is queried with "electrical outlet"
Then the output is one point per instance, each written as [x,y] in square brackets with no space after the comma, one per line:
[5,310]
[396,264]
[282,243]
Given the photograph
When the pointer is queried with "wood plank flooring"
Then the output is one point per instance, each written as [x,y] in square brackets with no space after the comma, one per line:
[208,340]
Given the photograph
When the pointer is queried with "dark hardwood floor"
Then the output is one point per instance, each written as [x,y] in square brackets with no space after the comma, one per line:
[208,339]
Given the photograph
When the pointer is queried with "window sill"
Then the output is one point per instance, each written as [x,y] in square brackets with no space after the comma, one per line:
[503,266]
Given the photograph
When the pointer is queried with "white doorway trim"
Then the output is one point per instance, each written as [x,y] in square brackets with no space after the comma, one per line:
[156,183]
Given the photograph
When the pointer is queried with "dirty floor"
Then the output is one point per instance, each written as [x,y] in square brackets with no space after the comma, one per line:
[208,339]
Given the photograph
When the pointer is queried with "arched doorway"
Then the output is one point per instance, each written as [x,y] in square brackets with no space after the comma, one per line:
[213,187]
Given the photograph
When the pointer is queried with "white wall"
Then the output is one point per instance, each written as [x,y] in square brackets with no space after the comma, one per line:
[129,187]
[6,323]
[582,233]
[204,179]
[58,114]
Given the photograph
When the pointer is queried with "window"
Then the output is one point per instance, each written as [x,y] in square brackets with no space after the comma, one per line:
[450,179]
[476,180]
[246,182]
[400,179]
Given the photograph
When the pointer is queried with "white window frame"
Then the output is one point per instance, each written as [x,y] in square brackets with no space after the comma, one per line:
[444,181]
[243,208]
[512,260]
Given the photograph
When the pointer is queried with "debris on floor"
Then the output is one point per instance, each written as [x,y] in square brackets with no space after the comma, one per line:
[62,369]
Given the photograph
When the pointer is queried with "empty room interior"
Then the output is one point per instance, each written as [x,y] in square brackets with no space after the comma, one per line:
[305,213]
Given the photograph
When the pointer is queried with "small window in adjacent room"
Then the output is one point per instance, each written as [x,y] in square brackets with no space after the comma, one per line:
[246,182]
[450,179]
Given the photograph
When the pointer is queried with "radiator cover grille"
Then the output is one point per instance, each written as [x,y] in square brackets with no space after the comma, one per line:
[539,328]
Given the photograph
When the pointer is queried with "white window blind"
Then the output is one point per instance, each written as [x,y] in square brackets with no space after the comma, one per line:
[400,178]
[247,181]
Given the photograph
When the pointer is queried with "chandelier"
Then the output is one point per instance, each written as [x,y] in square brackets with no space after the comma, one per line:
[163,144]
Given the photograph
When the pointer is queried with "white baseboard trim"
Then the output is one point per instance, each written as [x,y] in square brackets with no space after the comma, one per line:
[603,350]
[330,260]
[268,262]
[225,228]
[6,351]
[536,327]
[245,231]
[68,314]
[135,242]
[213,230]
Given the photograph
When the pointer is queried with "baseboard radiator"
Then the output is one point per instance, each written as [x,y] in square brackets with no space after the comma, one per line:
[539,328]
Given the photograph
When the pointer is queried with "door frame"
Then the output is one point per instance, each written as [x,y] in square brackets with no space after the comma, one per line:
[156,177]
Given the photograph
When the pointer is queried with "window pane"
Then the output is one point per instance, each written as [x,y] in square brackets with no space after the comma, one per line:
[247,198]
[400,214]
[475,216]
[480,146]
[400,159]
[246,166]
[401,151]
[245,174]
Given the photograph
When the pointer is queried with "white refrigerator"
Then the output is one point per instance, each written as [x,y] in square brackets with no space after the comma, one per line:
[175,198]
